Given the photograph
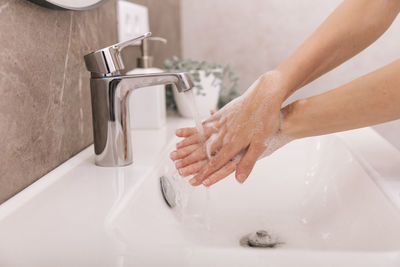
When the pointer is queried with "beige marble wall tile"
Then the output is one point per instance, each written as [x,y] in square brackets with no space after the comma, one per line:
[45,112]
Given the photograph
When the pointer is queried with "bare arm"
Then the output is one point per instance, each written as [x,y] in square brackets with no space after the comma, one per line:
[245,129]
[369,100]
[352,27]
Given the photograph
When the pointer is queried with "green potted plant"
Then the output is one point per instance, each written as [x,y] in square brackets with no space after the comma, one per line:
[215,86]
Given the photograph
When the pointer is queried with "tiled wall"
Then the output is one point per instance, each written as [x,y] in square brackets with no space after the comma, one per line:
[164,16]
[256,35]
[45,112]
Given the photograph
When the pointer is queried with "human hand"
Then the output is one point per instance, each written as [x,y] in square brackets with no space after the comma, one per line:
[235,137]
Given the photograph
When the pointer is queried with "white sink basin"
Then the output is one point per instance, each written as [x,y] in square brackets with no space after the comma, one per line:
[326,205]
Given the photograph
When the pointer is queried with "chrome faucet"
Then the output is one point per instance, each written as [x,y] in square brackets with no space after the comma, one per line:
[110,93]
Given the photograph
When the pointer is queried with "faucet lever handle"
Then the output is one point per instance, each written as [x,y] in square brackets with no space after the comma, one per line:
[108,60]
[133,41]
[160,39]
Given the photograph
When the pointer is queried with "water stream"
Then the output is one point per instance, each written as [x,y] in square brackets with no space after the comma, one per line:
[189,95]
[205,217]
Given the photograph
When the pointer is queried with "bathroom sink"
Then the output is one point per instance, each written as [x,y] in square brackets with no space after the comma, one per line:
[313,195]
[328,201]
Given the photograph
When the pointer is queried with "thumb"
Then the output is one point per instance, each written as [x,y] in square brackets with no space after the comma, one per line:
[247,162]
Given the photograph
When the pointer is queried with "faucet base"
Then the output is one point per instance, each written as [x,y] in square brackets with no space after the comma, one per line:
[110,110]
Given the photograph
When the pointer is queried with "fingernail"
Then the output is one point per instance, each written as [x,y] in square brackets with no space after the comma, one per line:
[192,181]
[180,171]
[173,154]
[178,131]
[241,178]
[178,145]
[178,164]
[185,171]
[206,182]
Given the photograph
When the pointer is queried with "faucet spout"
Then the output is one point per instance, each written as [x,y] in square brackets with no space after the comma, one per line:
[110,110]
[182,80]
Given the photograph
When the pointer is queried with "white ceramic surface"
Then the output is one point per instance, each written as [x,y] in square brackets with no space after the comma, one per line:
[331,200]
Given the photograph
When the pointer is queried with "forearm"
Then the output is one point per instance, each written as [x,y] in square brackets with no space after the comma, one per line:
[352,27]
[369,100]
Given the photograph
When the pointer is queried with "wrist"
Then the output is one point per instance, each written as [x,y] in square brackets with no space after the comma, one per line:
[293,122]
[275,82]
[295,73]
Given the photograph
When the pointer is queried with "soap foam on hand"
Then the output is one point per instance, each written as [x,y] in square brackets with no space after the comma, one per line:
[261,125]
[189,95]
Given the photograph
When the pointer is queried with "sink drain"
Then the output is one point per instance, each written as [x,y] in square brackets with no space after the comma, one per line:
[260,239]
[167,191]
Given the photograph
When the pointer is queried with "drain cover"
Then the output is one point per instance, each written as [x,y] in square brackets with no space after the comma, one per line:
[167,191]
[260,239]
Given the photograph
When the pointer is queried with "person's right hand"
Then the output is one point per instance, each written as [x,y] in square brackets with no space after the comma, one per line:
[236,136]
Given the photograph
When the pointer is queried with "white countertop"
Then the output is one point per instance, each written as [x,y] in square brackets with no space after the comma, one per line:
[147,147]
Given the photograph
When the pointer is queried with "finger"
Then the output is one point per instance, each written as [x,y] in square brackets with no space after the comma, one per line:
[185,132]
[220,174]
[212,111]
[197,138]
[247,162]
[216,127]
[192,169]
[219,142]
[194,139]
[227,152]
[183,152]
[215,142]
[197,155]
[215,116]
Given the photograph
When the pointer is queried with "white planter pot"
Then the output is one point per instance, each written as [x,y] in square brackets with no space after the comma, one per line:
[206,98]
